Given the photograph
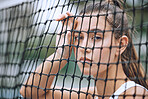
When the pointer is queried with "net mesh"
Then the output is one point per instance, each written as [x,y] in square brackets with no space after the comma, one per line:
[28,34]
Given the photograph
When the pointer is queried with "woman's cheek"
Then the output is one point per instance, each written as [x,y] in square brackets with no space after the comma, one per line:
[108,55]
[96,55]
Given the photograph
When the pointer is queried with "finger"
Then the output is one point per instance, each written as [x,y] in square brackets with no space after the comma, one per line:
[71,19]
[75,24]
[69,14]
[61,17]
[69,38]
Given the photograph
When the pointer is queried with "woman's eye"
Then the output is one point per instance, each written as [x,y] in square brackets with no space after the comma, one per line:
[97,38]
[78,37]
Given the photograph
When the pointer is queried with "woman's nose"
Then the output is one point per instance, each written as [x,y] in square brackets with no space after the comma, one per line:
[86,46]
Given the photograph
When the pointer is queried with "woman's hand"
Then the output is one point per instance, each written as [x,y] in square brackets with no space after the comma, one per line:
[64,38]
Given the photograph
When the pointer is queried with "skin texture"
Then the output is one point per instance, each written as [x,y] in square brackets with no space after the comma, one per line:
[104,40]
[104,55]
[84,53]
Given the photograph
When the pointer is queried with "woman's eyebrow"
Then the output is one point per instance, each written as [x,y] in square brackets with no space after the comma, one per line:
[89,31]
[95,30]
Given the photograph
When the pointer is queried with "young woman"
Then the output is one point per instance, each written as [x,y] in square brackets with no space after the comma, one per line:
[103,48]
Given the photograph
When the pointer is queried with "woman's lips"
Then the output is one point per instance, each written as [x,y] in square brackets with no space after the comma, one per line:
[85,59]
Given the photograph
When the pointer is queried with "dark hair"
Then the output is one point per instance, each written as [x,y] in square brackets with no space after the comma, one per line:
[117,18]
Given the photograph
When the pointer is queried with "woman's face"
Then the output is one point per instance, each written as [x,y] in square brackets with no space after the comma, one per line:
[95,49]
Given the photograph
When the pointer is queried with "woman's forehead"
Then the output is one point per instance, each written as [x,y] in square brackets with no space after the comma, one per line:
[92,22]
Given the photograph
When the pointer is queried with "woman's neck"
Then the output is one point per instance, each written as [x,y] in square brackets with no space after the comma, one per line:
[109,86]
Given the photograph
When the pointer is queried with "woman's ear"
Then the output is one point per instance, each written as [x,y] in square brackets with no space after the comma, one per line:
[122,42]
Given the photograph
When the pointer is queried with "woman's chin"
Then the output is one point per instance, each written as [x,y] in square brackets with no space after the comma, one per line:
[86,69]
